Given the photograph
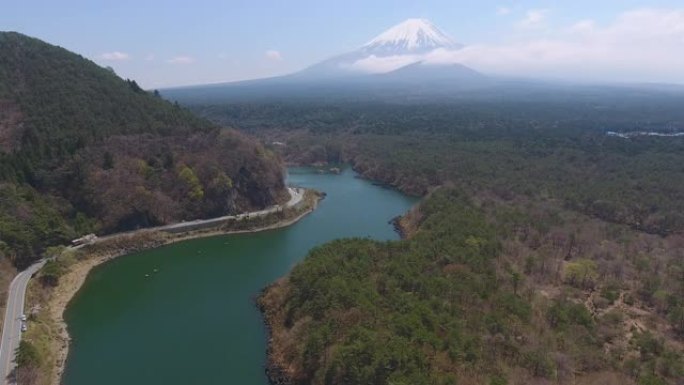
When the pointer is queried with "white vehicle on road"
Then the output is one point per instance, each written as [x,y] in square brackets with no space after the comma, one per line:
[23,317]
[13,326]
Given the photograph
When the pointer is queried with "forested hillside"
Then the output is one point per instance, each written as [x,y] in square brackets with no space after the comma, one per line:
[82,150]
[483,292]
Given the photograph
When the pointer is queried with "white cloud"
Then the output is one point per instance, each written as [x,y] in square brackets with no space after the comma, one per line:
[273,55]
[115,56]
[503,11]
[639,45]
[376,64]
[582,27]
[181,60]
[150,57]
[534,18]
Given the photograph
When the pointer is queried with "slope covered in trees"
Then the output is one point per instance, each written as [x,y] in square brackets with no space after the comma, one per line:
[483,292]
[82,150]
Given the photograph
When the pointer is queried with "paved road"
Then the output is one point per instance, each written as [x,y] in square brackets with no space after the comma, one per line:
[296,195]
[11,332]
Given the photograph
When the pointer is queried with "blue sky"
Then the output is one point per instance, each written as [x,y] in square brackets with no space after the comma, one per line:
[173,42]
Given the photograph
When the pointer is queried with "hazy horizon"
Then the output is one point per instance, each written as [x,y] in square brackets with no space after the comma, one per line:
[179,44]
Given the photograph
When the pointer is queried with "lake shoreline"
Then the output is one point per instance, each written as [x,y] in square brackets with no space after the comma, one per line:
[126,244]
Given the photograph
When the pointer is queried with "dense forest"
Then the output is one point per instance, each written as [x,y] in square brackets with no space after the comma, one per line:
[483,292]
[82,150]
[533,146]
[545,252]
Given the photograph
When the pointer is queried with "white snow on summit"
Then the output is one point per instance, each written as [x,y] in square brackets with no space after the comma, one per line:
[412,35]
[409,42]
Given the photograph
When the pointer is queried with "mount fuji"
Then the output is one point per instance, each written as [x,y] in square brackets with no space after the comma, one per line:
[405,44]
[395,64]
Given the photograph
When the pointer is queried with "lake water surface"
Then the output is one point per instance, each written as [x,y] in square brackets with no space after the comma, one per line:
[194,321]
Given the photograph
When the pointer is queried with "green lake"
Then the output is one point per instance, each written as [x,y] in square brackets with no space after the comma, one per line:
[194,320]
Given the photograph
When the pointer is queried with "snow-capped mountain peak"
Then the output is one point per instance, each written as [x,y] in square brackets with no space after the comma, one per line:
[412,35]
[409,42]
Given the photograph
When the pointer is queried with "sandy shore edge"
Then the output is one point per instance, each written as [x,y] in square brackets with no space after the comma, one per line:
[71,282]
